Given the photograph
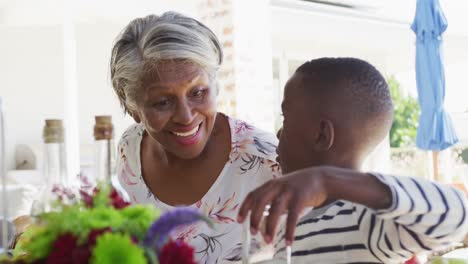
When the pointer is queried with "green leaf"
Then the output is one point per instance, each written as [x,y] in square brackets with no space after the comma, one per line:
[406,115]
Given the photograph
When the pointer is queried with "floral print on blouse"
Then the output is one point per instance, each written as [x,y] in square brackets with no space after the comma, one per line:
[252,162]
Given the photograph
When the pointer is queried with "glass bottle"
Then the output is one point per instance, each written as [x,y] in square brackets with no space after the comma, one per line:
[103,148]
[55,165]
[56,180]
[104,154]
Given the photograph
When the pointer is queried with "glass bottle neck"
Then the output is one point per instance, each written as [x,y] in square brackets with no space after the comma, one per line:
[104,160]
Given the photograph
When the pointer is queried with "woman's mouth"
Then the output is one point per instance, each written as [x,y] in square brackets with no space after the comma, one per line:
[188,133]
[190,137]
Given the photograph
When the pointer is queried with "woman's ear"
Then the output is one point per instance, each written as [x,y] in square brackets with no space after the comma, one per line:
[135,116]
[326,136]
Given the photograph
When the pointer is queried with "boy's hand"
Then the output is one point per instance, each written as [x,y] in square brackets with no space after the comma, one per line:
[289,194]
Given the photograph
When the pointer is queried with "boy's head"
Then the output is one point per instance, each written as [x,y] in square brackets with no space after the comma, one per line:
[336,110]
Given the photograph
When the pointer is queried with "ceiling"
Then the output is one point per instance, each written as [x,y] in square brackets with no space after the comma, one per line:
[51,11]
[400,10]
[378,28]
[46,12]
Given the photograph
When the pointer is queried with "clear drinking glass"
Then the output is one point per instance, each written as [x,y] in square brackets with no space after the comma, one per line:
[6,232]
[246,245]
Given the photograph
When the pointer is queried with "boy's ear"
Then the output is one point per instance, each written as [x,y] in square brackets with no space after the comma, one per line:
[326,136]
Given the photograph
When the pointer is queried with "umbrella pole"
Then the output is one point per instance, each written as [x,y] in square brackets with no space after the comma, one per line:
[435,165]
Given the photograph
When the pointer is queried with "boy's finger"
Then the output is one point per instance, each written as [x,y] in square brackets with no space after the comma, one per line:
[248,203]
[278,207]
[245,207]
[262,199]
[291,222]
[256,214]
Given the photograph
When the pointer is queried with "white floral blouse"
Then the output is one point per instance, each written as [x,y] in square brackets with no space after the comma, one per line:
[251,163]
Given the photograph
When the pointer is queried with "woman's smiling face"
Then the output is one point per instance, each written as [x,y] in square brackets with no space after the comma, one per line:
[178,107]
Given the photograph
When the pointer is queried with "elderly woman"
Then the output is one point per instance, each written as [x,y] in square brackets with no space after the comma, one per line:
[181,151]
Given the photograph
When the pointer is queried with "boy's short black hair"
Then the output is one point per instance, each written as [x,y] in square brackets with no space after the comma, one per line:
[354,78]
[355,95]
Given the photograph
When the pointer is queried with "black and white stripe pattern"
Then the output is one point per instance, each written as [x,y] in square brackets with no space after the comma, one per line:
[424,216]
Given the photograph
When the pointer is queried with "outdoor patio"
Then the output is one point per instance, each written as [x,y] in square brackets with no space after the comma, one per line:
[55,60]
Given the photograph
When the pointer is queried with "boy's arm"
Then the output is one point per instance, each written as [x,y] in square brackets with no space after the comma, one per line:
[423,216]
[427,213]
[396,200]
[311,187]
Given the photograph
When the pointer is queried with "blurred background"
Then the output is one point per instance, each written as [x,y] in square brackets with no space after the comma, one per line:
[55,55]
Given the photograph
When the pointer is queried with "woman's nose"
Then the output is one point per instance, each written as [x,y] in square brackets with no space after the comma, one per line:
[183,114]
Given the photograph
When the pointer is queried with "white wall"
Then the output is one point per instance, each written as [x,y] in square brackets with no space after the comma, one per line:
[95,93]
[32,80]
[32,67]
[253,63]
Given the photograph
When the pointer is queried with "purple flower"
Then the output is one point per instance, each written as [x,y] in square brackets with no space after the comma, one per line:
[159,231]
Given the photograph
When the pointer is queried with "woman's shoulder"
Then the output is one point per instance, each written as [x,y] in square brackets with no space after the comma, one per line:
[132,133]
[251,140]
[131,138]
[127,166]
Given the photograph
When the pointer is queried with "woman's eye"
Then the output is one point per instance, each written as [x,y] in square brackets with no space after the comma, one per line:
[198,93]
[163,104]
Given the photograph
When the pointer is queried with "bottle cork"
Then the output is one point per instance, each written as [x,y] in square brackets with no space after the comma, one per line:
[103,129]
[53,131]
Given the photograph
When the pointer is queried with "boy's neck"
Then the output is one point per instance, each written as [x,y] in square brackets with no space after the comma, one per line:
[354,164]
[345,164]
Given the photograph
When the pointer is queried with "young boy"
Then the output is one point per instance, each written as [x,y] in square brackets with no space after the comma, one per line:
[336,111]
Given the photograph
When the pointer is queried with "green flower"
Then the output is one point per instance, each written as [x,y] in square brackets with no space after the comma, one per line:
[101,197]
[103,217]
[441,260]
[36,242]
[114,248]
[138,219]
[68,220]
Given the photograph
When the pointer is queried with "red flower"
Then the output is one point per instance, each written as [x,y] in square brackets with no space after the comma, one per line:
[177,252]
[94,234]
[117,201]
[66,250]
[413,260]
[87,198]
[81,254]
[62,249]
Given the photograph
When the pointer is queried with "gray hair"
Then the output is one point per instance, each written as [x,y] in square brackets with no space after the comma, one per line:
[152,39]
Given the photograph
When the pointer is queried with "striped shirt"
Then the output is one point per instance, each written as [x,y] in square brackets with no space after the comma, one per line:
[424,216]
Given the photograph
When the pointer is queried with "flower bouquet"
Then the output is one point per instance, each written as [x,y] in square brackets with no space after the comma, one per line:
[103,228]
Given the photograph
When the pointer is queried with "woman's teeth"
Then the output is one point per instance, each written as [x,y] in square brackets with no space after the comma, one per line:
[186,134]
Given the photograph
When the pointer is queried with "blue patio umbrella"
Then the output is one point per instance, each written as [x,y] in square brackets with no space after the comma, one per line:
[435,131]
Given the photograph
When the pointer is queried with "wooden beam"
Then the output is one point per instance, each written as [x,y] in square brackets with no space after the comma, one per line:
[435,166]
